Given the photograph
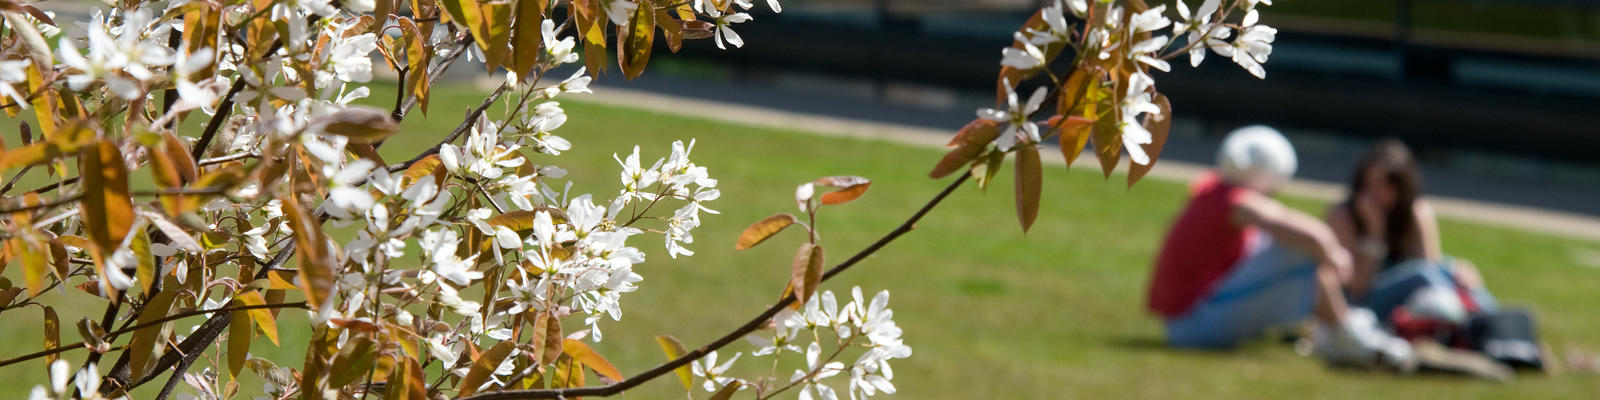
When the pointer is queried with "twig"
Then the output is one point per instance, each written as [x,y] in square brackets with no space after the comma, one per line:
[227,158]
[224,109]
[472,118]
[190,347]
[79,196]
[754,324]
[212,328]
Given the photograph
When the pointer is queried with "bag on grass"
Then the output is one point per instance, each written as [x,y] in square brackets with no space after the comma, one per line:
[1509,336]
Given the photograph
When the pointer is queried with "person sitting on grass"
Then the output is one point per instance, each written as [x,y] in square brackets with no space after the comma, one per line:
[1237,263]
[1394,238]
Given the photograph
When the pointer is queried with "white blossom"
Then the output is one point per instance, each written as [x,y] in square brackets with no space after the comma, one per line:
[1016,117]
[724,29]
[708,369]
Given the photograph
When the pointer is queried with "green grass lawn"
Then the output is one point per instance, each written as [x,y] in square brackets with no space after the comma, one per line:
[991,313]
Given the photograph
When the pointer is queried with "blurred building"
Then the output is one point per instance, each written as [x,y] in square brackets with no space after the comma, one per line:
[1503,89]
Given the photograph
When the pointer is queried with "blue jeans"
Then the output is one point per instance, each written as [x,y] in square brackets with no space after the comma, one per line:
[1273,286]
[1392,286]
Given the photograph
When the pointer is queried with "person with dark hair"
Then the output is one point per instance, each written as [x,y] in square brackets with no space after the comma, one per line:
[1237,263]
[1393,237]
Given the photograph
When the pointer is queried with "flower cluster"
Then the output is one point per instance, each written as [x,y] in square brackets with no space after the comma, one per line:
[1118,44]
[860,326]
[284,195]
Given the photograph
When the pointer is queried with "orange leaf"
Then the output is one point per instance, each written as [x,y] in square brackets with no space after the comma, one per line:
[526,35]
[581,352]
[552,339]
[185,165]
[763,229]
[316,262]
[850,188]
[970,143]
[107,210]
[484,366]
[407,382]
[1158,125]
[1029,180]
[807,271]
[637,38]
[1074,135]
[262,316]
[727,391]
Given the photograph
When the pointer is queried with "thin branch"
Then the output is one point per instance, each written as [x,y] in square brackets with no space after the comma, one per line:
[212,328]
[471,119]
[225,108]
[191,347]
[227,158]
[169,318]
[755,323]
[79,196]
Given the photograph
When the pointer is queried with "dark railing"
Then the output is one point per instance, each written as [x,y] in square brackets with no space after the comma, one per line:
[1505,93]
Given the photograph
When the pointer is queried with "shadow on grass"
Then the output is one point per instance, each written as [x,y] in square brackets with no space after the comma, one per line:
[1153,344]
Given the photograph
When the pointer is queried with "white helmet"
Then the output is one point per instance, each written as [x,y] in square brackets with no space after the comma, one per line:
[1256,156]
[1437,303]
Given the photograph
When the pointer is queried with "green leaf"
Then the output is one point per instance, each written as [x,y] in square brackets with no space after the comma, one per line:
[674,349]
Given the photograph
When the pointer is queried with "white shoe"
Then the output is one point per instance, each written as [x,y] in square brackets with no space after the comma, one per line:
[1360,342]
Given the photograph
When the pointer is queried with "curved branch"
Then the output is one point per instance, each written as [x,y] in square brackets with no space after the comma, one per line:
[79,196]
[759,321]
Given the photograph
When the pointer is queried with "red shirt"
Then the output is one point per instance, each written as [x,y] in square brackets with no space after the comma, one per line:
[1202,246]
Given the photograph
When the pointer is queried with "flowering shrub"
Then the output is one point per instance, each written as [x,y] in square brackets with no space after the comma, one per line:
[1108,96]
[469,270]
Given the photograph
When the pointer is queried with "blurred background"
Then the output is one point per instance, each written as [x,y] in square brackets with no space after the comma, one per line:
[1499,98]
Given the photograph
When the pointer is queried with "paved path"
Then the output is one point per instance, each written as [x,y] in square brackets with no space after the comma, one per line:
[1531,219]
